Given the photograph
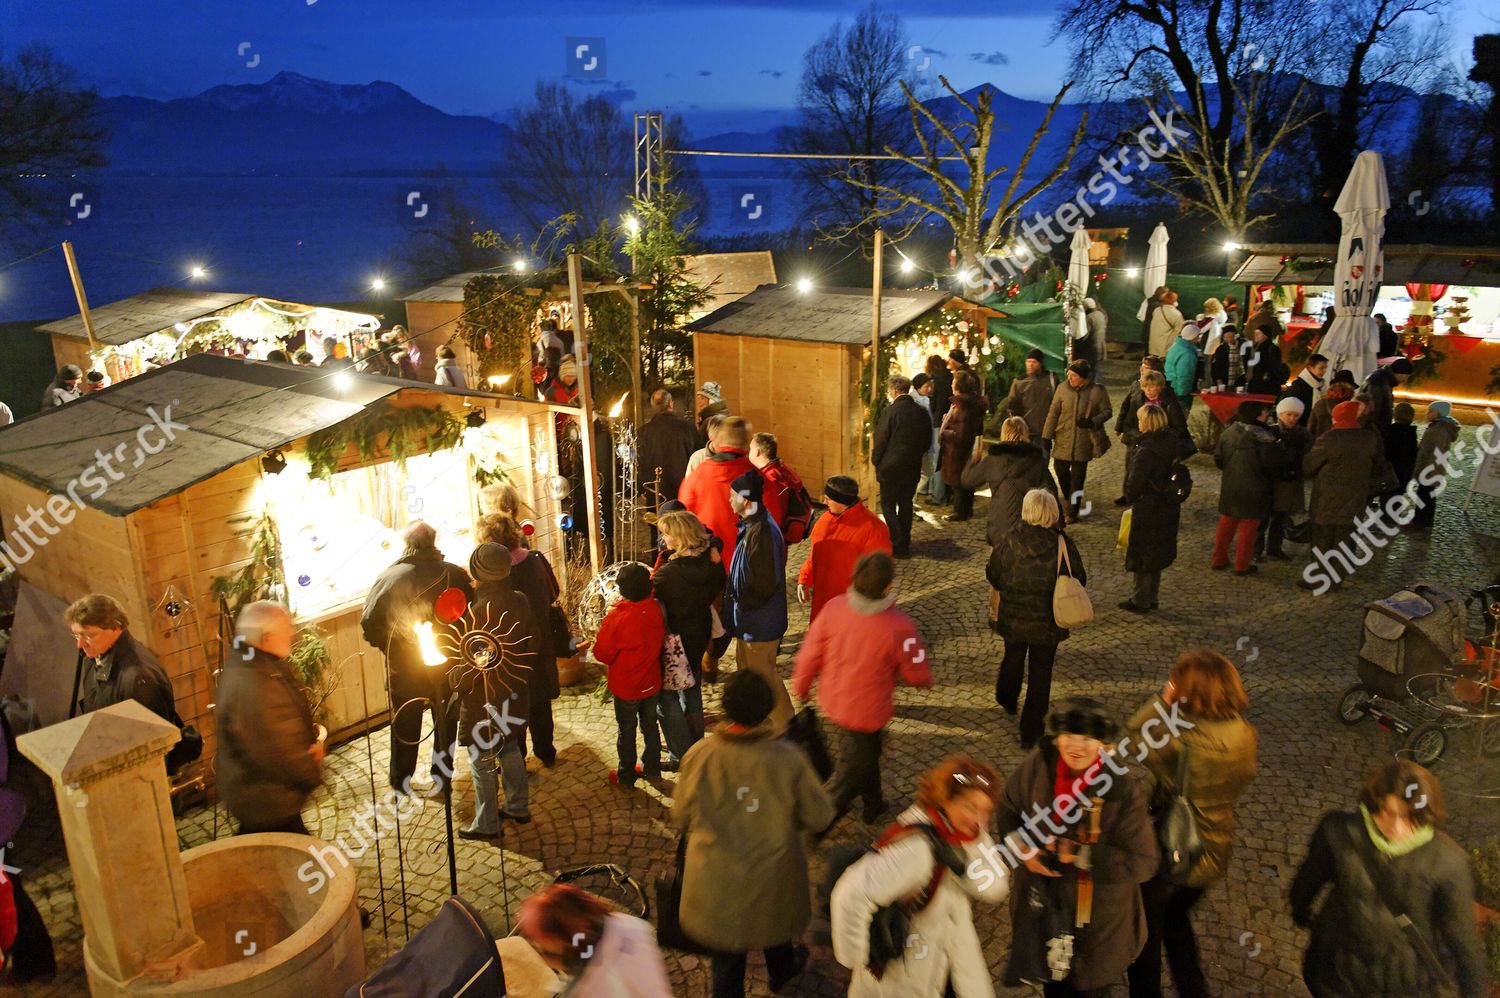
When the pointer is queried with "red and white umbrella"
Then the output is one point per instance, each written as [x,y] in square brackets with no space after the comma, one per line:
[1352,339]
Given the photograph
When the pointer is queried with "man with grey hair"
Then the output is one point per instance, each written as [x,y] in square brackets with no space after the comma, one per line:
[404,596]
[903,435]
[270,754]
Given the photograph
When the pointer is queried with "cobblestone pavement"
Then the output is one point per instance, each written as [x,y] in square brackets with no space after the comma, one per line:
[1297,654]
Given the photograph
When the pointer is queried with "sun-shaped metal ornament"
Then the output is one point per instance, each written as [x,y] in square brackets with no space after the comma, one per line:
[487,651]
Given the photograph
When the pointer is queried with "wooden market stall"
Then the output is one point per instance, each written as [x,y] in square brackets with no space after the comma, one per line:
[796,363]
[163,324]
[261,458]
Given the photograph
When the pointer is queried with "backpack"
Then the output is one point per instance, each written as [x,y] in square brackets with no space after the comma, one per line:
[799,515]
[1179,483]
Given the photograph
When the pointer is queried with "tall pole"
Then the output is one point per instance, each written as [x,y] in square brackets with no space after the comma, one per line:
[635,354]
[83,300]
[586,410]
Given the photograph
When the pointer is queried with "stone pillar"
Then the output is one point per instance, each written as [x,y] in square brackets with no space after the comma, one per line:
[110,778]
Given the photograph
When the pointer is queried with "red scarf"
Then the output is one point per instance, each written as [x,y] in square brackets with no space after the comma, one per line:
[947,832]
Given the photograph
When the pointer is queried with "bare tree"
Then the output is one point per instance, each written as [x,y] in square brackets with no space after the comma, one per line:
[48,125]
[963,196]
[569,157]
[849,101]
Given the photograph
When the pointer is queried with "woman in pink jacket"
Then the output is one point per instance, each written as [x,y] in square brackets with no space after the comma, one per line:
[860,647]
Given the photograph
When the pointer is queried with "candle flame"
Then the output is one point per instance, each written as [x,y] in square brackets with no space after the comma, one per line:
[619,406]
[497,380]
[431,656]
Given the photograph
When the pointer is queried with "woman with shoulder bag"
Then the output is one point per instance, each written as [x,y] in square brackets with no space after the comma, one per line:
[1023,569]
[934,862]
[1218,747]
[686,585]
[1398,918]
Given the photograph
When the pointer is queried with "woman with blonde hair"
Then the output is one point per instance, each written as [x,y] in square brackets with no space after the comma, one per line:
[1011,468]
[502,497]
[1219,747]
[686,586]
[1023,568]
[938,857]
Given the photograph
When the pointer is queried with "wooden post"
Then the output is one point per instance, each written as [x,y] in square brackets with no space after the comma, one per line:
[83,301]
[586,411]
[877,288]
[635,355]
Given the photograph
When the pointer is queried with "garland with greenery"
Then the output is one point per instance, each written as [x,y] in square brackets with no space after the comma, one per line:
[497,324]
[406,431]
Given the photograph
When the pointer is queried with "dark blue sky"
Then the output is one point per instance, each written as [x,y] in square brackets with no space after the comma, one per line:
[484,57]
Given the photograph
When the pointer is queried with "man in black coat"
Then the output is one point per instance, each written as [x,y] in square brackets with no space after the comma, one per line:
[114,670]
[665,441]
[902,436]
[1380,389]
[403,596]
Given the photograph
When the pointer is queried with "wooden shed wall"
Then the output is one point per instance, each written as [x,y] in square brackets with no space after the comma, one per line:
[71,350]
[432,324]
[805,393]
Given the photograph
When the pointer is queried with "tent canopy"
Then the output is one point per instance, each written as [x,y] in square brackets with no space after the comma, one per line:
[1313,264]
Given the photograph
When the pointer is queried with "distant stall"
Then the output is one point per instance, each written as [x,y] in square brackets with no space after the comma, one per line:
[290,482]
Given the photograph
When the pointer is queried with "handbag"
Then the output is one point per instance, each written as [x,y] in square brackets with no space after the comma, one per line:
[1122,540]
[1181,843]
[804,731]
[668,900]
[676,673]
[1070,601]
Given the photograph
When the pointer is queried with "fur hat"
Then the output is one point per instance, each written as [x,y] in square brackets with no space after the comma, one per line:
[1082,716]
[1292,405]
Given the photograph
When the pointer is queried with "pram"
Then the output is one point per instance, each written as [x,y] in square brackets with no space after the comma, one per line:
[1419,677]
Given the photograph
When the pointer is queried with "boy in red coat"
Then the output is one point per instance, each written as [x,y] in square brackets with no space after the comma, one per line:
[858,651]
[705,491]
[839,540]
[629,644]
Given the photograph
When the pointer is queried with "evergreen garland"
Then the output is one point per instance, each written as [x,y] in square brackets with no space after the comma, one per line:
[406,431]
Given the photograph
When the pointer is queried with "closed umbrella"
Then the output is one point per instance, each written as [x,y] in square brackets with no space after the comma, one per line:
[1154,275]
[1351,340]
[1078,279]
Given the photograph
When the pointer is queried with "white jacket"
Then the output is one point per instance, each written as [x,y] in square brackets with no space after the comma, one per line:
[448,373]
[1213,331]
[943,944]
[627,964]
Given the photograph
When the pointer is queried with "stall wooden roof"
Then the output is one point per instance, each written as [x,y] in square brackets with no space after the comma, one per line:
[729,275]
[226,411]
[451,288]
[149,312]
[821,315]
[1313,263]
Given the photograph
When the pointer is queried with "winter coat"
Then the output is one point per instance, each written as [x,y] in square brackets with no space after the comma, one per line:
[1071,442]
[705,492]
[131,677]
[1024,568]
[1166,326]
[629,644]
[1010,470]
[1288,493]
[625,963]
[1436,439]
[903,435]
[1154,514]
[1030,397]
[1357,948]
[1305,389]
[1264,369]
[720,408]
[1128,423]
[506,614]
[1342,464]
[1264,318]
[857,652]
[755,599]
[265,730]
[1182,362]
[781,483]
[745,801]
[1251,461]
[1221,764]
[405,594]
[448,373]
[961,427]
[1380,389]
[56,395]
[532,577]
[686,588]
[942,396]
[1321,420]
[1227,366]
[1125,857]
[666,441]
[837,542]
[942,946]
[1401,450]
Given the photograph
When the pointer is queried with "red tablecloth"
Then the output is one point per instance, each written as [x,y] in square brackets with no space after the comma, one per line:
[1223,404]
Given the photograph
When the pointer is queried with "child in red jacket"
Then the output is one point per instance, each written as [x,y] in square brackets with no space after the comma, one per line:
[629,644]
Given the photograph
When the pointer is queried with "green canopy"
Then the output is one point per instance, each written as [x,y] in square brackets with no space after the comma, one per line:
[1120,296]
[1032,325]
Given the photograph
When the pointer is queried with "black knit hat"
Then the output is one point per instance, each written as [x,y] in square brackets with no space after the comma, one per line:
[1400,365]
[1082,368]
[1082,716]
[634,582]
[746,698]
[1035,353]
[919,380]
[749,486]
[842,489]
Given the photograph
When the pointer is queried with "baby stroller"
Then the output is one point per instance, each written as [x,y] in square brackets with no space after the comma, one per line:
[1419,678]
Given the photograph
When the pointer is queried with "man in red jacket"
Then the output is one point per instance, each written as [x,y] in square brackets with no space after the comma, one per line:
[858,650]
[781,481]
[705,491]
[839,540]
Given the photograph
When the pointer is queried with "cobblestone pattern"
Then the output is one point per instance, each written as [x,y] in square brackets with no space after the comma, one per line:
[1297,654]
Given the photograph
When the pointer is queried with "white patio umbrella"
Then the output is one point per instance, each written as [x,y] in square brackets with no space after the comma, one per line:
[1351,341]
[1079,279]
[1154,274]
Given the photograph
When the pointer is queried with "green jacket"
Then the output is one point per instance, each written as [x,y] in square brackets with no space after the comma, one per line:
[1221,764]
